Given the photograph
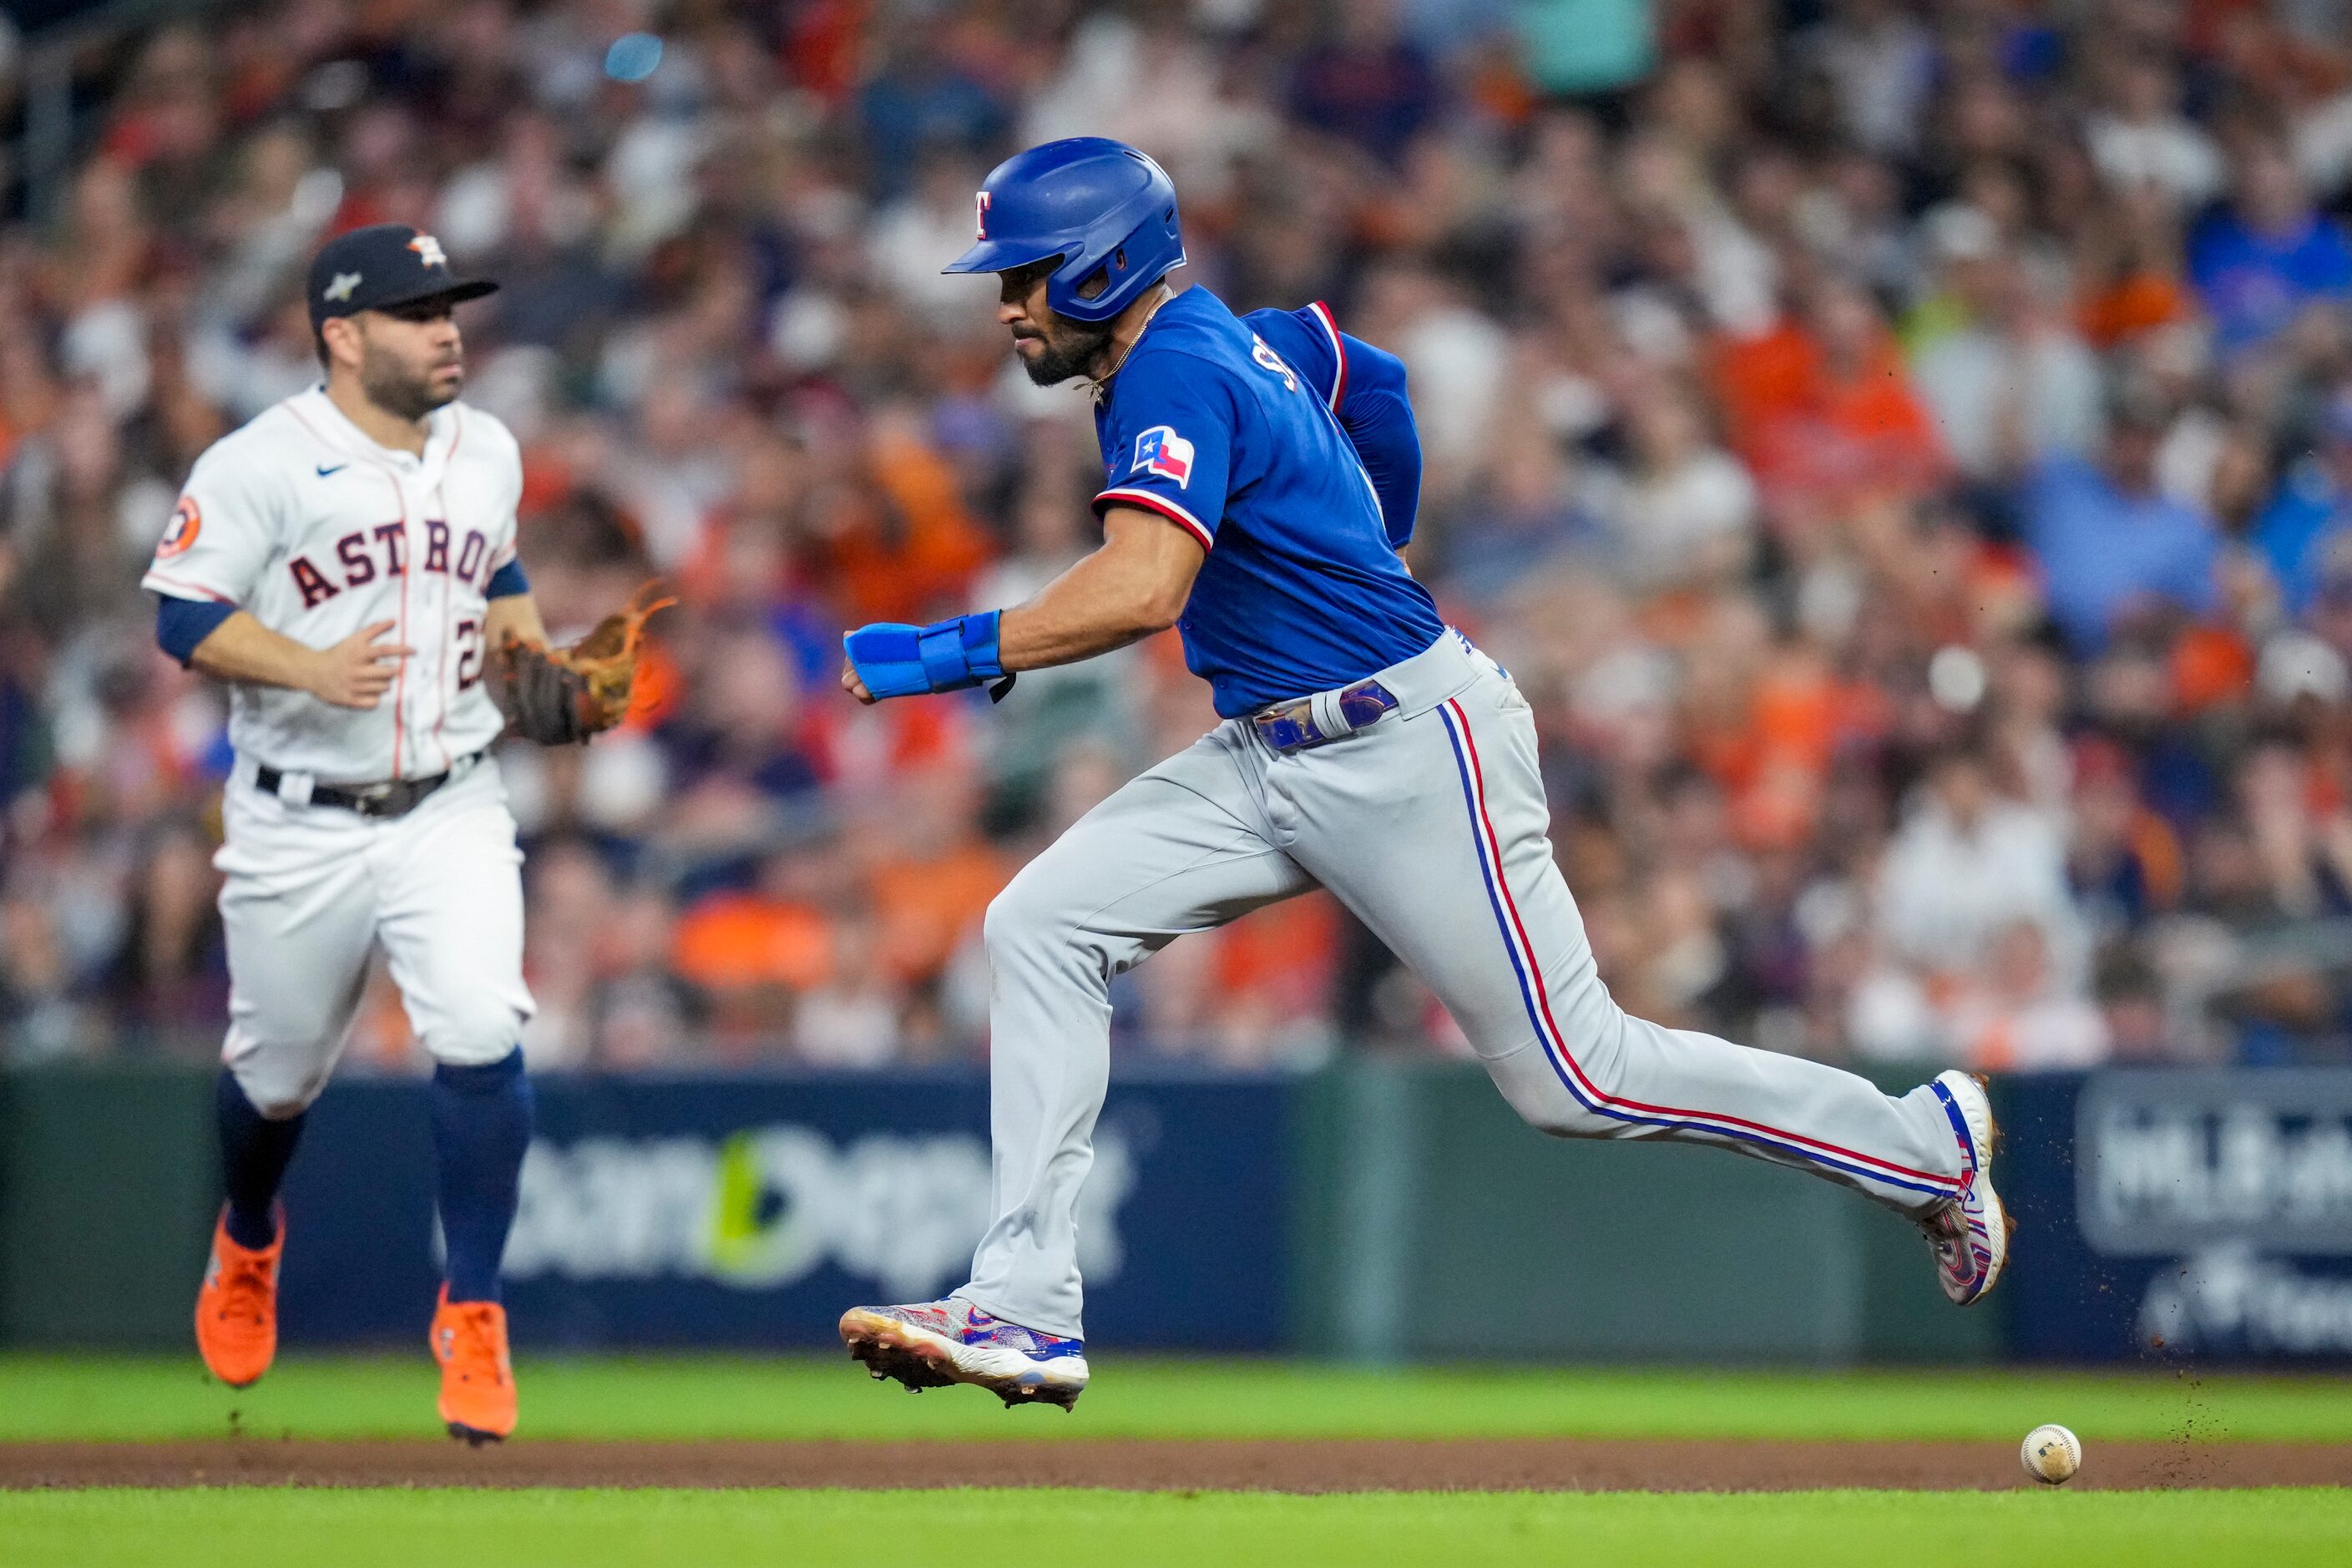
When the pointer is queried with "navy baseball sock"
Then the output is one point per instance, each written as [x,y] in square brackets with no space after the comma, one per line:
[254,1155]
[481,1125]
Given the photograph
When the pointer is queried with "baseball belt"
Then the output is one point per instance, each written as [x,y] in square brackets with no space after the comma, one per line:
[386,798]
[1306,723]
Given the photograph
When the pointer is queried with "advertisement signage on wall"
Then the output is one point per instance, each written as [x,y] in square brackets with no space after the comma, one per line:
[2171,1164]
[764,1207]
[753,1211]
[2198,1214]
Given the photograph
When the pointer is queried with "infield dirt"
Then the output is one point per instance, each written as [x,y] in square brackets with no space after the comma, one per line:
[1555,1464]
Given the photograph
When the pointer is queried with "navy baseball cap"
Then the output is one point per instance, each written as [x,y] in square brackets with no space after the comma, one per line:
[381,266]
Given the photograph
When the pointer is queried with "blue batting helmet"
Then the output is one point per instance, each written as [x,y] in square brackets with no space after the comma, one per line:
[1099,205]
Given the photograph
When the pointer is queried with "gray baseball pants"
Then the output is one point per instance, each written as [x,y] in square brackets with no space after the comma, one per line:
[1431,824]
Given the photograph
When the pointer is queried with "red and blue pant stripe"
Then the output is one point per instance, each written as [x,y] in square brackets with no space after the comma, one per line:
[1537,998]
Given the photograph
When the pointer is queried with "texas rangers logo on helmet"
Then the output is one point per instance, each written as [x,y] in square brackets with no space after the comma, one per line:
[429,250]
[980,203]
[1159,450]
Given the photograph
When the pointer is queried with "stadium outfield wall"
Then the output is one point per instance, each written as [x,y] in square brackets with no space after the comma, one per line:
[1376,1210]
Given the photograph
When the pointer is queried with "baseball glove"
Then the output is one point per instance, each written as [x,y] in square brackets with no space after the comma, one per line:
[560,697]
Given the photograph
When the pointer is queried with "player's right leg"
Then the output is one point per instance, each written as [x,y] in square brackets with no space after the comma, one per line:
[1182,848]
[1468,894]
[297,913]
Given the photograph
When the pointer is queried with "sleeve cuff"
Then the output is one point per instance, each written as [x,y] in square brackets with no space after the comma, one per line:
[173,588]
[1148,501]
[182,624]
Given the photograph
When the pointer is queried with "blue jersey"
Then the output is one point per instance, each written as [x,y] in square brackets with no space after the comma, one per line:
[1212,426]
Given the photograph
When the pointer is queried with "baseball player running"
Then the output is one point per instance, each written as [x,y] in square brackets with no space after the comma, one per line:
[1260,476]
[347,562]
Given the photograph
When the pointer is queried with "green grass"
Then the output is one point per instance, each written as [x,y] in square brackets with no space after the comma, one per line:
[117,1397]
[1043,1528]
[134,1398]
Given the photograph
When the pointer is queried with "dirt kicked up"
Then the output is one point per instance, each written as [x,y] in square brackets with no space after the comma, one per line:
[1552,1464]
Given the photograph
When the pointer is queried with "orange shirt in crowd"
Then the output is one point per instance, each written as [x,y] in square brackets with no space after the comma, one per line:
[2210,665]
[735,940]
[902,560]
[2130,306]
[926,908]
[1282,957]
[1760,379]
[1771,764]
[1808,433]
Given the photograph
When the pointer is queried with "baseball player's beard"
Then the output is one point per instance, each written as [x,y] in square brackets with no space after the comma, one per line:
[1070,348]
[390,387]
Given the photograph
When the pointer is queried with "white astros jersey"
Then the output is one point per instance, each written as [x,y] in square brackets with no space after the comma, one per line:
[303,520]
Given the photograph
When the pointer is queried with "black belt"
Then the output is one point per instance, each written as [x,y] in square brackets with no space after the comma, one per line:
[392,797]
[1292,726]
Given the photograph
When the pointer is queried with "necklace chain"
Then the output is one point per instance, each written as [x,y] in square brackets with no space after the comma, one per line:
[1100,386]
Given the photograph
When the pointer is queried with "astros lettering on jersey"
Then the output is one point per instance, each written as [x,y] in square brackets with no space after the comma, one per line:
[301,519]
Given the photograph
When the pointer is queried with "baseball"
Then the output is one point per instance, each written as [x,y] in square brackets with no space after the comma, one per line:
[2052,1455]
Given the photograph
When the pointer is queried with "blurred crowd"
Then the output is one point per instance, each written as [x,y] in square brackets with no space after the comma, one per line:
[1902,449]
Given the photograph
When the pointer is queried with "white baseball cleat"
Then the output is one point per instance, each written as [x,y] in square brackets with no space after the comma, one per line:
[1969,1233]
[933,1343]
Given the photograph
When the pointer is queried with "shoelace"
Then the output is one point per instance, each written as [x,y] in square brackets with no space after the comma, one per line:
[470,1343]
[245,1291]
[1955,1242]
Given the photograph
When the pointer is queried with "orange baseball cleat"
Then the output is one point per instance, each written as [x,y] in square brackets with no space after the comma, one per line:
[478,1387]
[237,1306]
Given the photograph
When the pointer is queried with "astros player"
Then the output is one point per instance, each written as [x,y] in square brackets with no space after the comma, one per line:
[1260,476]
[347,560]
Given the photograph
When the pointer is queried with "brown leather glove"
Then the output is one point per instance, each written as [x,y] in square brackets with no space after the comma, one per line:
[561,697]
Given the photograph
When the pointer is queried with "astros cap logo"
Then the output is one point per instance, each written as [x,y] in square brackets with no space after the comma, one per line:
[429,249]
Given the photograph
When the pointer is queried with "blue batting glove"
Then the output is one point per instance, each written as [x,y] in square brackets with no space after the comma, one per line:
[895,660]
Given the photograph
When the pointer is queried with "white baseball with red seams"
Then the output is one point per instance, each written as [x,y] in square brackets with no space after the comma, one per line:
[1432,826]
[2050,1455]
[301,519]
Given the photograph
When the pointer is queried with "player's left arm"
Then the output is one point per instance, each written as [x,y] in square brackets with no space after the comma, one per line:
[1169,452]
[1132,587]
[513,615]
[1365,390]
[1364,387]
[1377,414]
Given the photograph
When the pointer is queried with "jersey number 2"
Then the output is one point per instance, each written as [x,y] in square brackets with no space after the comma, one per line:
[469,653]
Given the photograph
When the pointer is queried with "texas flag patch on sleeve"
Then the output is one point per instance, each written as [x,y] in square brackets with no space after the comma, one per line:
[1159,450]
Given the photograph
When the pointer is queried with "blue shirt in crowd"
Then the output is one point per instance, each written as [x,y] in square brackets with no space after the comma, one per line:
[2105,550]
[2297,532]
[2254,283]
[1208,424]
